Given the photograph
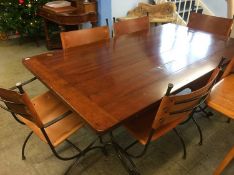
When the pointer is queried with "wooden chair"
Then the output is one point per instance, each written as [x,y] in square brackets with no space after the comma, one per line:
[221,100]
[228,158]
[132,25]
[85,36]
[47,117]
[173,110]
[222,95]
[211,24]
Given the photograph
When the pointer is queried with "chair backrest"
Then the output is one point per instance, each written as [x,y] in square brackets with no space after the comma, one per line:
[19,103]
[177,108]
[131,25]
[211,24]
[84,36]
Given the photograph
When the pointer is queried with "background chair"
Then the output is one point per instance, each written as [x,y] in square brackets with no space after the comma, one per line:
[228,158]
[132,25]
[46,116]
[173,110]
[85,36]
[221,100]
[222,95]
[211,24]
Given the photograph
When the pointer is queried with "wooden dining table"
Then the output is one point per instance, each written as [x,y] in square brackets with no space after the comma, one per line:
[110,81]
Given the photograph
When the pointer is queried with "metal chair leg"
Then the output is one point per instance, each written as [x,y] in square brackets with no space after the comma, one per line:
[199,130]
[78,155]
[207,114]
[127,157]
[228,120]
[75,162]
[74,146]
[104,150]
[100,139]
[24,145]
[82,153]
[182,142]
[131,145]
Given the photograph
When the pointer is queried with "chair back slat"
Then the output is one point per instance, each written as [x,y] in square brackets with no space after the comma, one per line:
[132,25]
[176,108]
[211,24]
[20,109]
[19,104]
[85,36]
[187,105]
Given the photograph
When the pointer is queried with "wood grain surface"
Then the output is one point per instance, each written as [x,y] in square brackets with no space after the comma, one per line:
[107,82]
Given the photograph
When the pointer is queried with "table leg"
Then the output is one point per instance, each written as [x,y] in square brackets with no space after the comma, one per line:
[126,161]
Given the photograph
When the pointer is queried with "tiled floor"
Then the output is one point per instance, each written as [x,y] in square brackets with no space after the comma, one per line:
[164,157]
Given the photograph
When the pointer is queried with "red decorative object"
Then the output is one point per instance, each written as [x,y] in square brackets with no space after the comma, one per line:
[21,1]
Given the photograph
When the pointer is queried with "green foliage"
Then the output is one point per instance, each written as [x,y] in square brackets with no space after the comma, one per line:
[21,16]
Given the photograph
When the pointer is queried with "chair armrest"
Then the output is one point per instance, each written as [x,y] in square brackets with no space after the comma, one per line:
[24,83]
[57,119]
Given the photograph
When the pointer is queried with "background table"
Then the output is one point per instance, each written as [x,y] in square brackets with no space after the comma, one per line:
[109,81]
[75,15]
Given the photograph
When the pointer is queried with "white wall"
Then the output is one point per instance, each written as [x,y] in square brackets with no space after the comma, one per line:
[121,7]
[218,7]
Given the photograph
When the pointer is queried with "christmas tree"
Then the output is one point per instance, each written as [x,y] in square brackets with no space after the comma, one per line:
[20,17]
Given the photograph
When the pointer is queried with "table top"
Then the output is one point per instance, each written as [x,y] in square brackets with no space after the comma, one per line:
[109,81]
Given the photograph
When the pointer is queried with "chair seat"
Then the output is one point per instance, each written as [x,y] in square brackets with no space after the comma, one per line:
[222,95]
[48,108]
[141,126]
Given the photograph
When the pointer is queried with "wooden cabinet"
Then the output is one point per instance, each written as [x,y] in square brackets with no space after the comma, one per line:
[69,17]
[85,6]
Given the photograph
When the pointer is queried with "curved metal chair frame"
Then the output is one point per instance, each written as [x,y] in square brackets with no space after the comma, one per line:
[192,111]
[202,107]
[78,155]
